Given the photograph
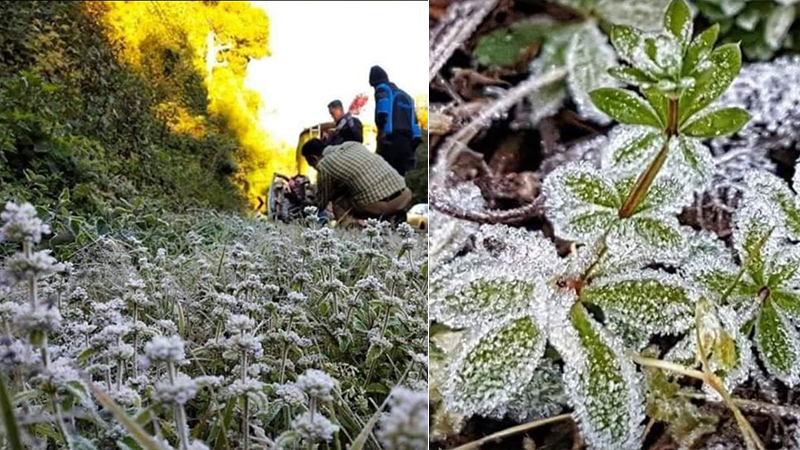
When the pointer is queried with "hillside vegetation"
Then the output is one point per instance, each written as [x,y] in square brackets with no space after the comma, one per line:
[109,104]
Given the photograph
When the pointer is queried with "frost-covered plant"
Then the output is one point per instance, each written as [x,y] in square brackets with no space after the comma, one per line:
[405,426]
[578,48]
[763,27]
[200,328]
[630,274]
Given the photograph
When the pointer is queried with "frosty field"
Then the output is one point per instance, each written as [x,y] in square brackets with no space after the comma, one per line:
[207,330]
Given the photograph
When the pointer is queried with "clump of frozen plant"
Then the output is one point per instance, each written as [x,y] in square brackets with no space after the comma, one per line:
[207,330]
[312,426]
[633,271]
[405,426]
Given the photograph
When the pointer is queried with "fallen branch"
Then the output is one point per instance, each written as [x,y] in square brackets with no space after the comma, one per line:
[457,26]
[453,145]
[508,216]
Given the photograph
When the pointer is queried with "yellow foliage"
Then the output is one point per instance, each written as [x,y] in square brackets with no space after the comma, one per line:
[180,121]
[421,103]
[153,35]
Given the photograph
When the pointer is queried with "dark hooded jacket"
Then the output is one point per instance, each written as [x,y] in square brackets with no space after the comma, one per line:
[394,109]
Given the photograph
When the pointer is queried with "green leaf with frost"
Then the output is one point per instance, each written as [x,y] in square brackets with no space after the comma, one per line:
[654,232]
[553,52]
[692,154]
[631,147]
[648,300]
[480,295]
[625,107]
[756,241]
[716,122]
[494,365]
[723,66]
[589,222]
[787,302]
[543,396]
[583,206]
[699,49]
[585,186]
[626,39]
[547,100]
[768,188]
[643,14]
[508,46]
[715,278]
[778,343]
[665,193]
[658,100]
[588,59]
[664,59]
[633,339]
[602,385]
[678,21]
[630,75]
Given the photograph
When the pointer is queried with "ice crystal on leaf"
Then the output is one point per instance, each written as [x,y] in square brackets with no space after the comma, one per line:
[584,205]
[773,193]
[763,292]
[602,383]
[448,237]
[588,59]
[650,301]
[495,363]
[543,396]
[515,295]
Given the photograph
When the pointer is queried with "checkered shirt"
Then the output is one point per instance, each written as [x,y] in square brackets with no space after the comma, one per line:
[351,169]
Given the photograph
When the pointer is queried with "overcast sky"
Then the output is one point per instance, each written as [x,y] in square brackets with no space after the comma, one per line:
[323,50]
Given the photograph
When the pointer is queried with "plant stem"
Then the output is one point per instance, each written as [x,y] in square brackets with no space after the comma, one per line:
[135,342]
[283,360]
[750,436]
[245,407]
[643,183]
[513,430]
[672,117]
[645,180]
[180,413]
[666,365]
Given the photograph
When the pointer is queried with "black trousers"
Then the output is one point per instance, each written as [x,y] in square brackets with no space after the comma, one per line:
[398,151]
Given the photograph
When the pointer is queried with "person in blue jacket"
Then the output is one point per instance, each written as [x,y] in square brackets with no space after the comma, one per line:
[399,133]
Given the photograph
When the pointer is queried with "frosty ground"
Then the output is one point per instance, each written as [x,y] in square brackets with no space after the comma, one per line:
[207,330]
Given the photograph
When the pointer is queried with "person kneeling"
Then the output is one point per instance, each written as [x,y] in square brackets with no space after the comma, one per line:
[358,183]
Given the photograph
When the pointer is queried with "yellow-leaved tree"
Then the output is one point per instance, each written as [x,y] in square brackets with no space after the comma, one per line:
[173,43]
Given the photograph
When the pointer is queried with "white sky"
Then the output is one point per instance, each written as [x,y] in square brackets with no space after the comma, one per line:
[323,50]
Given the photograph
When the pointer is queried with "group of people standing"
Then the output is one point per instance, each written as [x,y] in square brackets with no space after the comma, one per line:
[356,182]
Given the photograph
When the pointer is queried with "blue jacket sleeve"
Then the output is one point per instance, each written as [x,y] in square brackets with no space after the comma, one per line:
[383,108]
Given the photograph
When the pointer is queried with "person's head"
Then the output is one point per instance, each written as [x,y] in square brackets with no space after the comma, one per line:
[336,110]
[312,151]
[377,76]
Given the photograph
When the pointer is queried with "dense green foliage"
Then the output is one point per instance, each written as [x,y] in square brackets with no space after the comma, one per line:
[417,179]
[77,123]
